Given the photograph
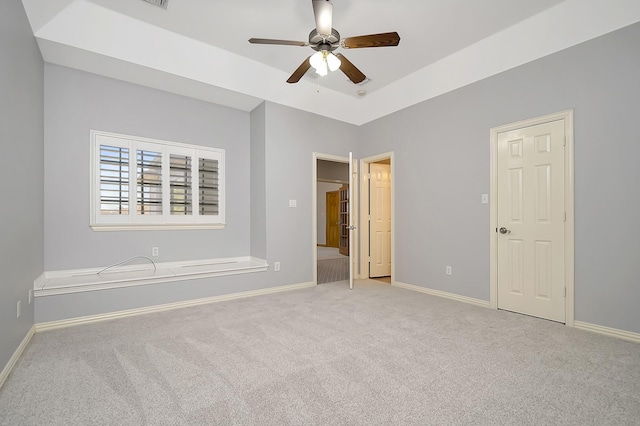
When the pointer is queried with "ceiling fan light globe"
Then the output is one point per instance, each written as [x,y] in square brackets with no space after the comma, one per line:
[316,60]
[322,70]
[333,62]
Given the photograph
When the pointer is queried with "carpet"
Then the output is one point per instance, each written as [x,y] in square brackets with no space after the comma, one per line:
[332,270]
[376,355]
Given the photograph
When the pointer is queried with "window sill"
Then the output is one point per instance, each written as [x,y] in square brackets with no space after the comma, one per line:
[81,280]
[157,227]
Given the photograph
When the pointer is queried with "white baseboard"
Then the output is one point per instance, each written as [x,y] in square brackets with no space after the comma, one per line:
[607,331]
[51,325]
[16,355]
[452,296]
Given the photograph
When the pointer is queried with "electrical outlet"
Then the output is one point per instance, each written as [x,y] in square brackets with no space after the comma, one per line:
[30,295]
[447,270]
[276,266]
[19,309]
[155,251]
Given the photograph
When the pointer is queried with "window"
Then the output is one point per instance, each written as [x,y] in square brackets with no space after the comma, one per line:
[141,183]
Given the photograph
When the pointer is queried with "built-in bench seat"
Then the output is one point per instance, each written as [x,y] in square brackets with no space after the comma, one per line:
[79,280]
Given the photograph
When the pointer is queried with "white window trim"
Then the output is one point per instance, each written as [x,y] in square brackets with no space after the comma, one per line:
[166,221]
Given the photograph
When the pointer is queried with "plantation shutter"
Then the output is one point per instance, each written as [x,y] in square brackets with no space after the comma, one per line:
[140,183]
[114,180]
[208,187]
[149,183]
[180,190]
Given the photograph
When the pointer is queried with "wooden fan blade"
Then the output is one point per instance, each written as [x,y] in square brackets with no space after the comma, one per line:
[373,40]
[350,70]
[302,70]
[273,41]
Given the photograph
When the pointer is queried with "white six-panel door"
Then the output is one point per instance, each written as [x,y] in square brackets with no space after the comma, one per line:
[380,220]
[531,219]
[353,183]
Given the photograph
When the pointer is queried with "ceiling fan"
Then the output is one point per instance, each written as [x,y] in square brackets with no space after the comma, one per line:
[324,40]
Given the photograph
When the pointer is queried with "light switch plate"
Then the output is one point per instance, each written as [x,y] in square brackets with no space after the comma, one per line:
[485,198]
[293,203]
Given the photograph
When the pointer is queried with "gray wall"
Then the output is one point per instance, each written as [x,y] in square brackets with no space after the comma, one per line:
[258,186]
[75,103]
[269,161]
[21,136]
[442,167]
[289,162]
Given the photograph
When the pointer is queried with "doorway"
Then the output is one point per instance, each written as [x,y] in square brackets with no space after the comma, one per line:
[331,254]
[377,218]
[332,213]
[531,246]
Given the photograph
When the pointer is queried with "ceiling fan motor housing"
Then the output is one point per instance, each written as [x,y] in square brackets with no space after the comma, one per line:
[320,42]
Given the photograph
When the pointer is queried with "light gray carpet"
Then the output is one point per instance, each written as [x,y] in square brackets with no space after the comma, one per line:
[377,355]
[332,270]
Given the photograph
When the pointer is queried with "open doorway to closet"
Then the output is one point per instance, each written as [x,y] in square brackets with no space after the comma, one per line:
[332,226]
[377,217]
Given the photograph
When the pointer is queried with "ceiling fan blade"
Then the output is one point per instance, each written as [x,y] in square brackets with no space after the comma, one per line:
[350,70]
[302,70]
[273,41]
[373,40]
[323,12]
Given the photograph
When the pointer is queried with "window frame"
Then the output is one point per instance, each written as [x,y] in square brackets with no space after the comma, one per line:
[164,221]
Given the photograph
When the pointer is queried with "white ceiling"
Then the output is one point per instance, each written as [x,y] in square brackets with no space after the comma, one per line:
[199,48]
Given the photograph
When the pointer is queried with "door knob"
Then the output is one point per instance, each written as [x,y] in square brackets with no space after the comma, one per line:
[504,230]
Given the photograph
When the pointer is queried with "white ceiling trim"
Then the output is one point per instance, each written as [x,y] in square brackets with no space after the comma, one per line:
[123,38]
[93,38]
[558,28]
[84,60]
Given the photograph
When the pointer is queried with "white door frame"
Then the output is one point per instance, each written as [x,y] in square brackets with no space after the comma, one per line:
[567,116]
[364,218]
[314,207]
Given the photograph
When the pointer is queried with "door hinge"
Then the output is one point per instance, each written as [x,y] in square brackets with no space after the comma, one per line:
[564,141]
[564,217]
[369,176]
[369,218]
[565,292]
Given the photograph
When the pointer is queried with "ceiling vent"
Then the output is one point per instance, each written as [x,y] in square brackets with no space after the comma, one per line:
[160,3]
